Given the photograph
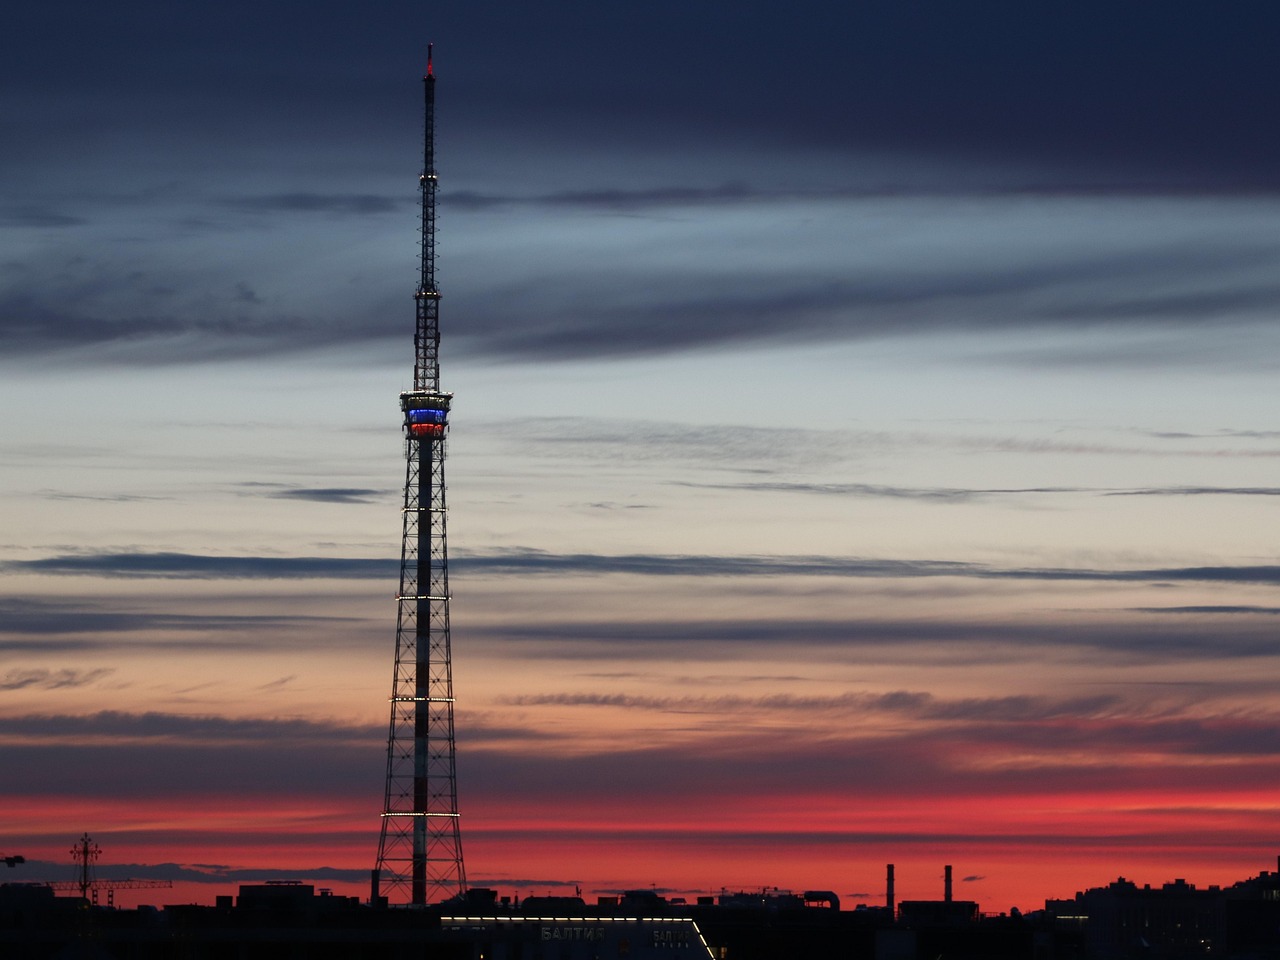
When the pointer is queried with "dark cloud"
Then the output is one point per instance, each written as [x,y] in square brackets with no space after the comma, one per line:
[1066,292]
[1198,492]
[903,703]
[1249,434]
[52,679]
[348,204]
[39,620]
[739,445]
[33,323]
[614,440]
[41,217]
[164,756]
[1020,725]
[885,641]
[880,491]
[636,115]
[1148,99]
[677,197]
[161,756]
[1213,609]
[204,873]
[529,562]
[113,498]
[332,494]
[1182,100]
[762,760]
[971,494]
[187,566]
[538,562]
[246,294]
[173,727]
[615,200]
[1193,736]
[197,873]
[918,841]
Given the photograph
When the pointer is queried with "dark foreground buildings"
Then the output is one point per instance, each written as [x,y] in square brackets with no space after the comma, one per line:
[293,921]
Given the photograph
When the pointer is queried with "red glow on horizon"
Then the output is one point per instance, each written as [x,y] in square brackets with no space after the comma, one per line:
[999,865]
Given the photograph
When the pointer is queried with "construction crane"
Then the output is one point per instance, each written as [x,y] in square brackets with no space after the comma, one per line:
[85,853]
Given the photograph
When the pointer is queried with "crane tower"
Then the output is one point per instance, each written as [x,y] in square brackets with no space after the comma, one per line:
[420,848]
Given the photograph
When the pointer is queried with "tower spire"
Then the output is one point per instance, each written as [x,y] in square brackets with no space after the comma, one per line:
[426,370]
[420,847]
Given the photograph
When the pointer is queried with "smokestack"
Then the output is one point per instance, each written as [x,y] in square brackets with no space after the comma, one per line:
[888,890]
[946,883]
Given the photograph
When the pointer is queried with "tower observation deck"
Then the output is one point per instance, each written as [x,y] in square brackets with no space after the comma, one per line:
[420,847]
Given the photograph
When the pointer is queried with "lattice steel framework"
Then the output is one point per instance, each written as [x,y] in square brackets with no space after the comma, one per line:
[420,849]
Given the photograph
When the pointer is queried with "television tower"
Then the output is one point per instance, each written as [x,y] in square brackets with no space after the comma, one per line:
[420,849]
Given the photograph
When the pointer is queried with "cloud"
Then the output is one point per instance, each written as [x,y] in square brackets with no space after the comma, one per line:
[52,679]
[147,331]
[113,498]
[913,704]
[1197,492]
[1062,289]
[246,294]
[36,216]
[172,727]
[36,621]
[187,566]
[201,872]
[970,494]
[1212,609]
[1008,733]
[587,306]
[1179,113]
[278,683]
[166,756]
[1218,434]
[885,492]
[765,759]
[989,749]
[898,642]
[673,195]
[737,446]
[344,204]
[683,197]
[332,494]
[1183,101]
[539,562]
[525,562]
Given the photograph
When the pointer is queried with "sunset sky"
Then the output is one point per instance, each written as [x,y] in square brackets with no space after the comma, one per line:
[864,448]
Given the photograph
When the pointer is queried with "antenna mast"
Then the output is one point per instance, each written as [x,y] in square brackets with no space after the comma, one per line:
[85,853]
[420,848]
[426,368]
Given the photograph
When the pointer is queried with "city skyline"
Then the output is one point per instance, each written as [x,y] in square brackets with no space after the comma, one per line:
[861,450]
